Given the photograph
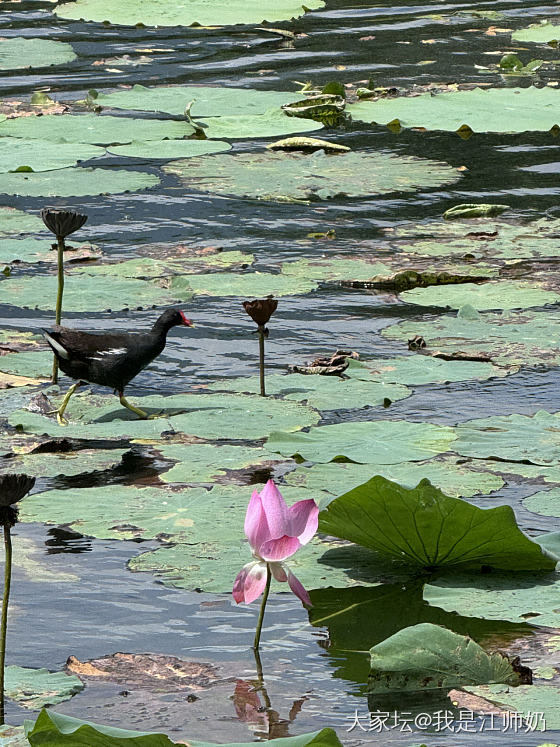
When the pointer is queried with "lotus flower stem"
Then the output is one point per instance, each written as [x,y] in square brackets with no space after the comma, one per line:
[257,640]
[262,335]
[4,618]
[58,313]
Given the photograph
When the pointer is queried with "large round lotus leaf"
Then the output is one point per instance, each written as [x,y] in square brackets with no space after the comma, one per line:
[424,527]
[195,12]
[146,267]
[415,370]
[209,101]
[540,33]
[274,123]
[19,154]
[35,688]
[321,392]
[517,438]
[317,176]
[247,285]
[336,270]
[94,128]
[168,148]
[525,338]
[68,463]
[375,441]
[213,416]
[541,703]
[76,182]
[17,52]
[482,110]
[33,363]
[449,476]
[16,222]
[504,294]
[82,293]
[547,502]
[519,597]
[204,462]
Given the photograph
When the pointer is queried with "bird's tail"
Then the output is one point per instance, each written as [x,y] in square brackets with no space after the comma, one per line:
[58,349]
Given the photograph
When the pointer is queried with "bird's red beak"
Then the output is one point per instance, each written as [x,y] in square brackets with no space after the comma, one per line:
[186,322]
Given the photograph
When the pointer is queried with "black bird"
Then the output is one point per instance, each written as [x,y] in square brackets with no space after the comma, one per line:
[109,359]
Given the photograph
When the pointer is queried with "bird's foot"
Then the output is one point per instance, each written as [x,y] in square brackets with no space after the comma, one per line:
[61,419]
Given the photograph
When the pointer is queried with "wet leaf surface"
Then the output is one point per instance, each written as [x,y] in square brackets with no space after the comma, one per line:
[494,295]
[35,688]
[76,182]
[18,52]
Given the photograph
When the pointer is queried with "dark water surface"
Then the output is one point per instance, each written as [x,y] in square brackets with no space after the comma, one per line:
[101,607]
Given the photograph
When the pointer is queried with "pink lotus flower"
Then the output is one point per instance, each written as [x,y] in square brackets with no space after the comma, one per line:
[275,532]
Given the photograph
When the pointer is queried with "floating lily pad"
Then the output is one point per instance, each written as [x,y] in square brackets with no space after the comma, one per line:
[427,657]
[94,128]
[481,110]
[145,267]
[208,101]
[212,416]
[449,476]
[533,438]
[198,463]
[196,12]
[9,381]
[541,701]
[530,471]
[68,463]
[35,688]
[523,597]
[546,503]
[272,124]
[13,736]
[375,441]
[321,392]
[29,251]
[540,33]
[415,370]
[168,148]
[272,175]
[504,294]
[18,154]
[522,338]
[76,182]
[33,363]
[18,52]
[81,293]
[424,527]
[246,284]
[15,222]
[336,270]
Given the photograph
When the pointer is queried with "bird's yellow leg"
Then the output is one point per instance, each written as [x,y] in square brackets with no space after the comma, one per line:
[125,403]
[60,412]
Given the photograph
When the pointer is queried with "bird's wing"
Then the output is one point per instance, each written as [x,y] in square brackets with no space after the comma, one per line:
[73,343]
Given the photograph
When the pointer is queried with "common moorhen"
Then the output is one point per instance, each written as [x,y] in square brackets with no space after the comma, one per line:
[109,359]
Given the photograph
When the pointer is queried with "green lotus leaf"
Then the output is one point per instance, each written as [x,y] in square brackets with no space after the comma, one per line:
[415,370]
[427,657]
[18,154]
[94,128]
[32,363]
[208,101]
[481,110]
[67,463]
[18,52]
[212,416]
[336,270]
[450,476]
[546,502]
[168,148]
[368,442]
[542,701]
[196,12]
[81,293]
[144,267]
[523,597]
[245,285]
[529,438]
[540,33]
[504,294]
[53,728]
[531,471]
[11,399]
[424,527]
[35,688]
[76,182]
[270,175]
[15,222]
[321,392]
[324,738]
[198,463]
[522,338]
[275,123]
[30,250]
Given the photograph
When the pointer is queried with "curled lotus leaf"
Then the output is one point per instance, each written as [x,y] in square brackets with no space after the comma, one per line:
[308,143]
[270,175]
[18,52]
[504,294]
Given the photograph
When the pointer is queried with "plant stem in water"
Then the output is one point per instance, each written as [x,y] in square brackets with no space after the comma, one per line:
[263,605]
[4,619]
[261,359]
[58,313]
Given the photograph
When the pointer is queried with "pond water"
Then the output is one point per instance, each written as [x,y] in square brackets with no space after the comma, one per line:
[77,597]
